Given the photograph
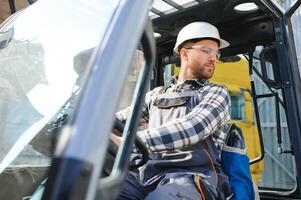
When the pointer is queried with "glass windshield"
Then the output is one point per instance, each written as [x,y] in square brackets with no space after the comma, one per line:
[44,51]
[296,26]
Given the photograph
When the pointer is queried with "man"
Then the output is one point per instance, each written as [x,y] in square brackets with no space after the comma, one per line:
[186,126]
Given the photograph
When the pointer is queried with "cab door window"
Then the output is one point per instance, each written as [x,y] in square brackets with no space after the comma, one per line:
[296,26]
[238,106]
[279,167]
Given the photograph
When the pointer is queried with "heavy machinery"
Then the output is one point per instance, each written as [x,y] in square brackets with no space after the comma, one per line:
[68,66]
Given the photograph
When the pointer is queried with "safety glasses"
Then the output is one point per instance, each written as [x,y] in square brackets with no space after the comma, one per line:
[207,50]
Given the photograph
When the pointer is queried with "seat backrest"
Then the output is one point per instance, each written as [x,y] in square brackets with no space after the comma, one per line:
[235,138]
[235,164]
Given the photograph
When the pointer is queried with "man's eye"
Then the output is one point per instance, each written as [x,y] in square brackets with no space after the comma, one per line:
[208,51]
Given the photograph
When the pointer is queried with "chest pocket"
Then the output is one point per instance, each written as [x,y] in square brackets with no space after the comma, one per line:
[170,106]
[166,103]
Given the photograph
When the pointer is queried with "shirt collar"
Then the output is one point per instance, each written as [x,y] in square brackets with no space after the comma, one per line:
[199,81]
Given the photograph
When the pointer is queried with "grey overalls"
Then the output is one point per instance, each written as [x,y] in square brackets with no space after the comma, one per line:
[198,164]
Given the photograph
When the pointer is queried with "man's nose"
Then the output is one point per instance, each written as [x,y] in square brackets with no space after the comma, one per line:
[213,57]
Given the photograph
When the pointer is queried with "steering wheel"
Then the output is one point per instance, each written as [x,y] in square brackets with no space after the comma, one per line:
[113,148]
[44,143]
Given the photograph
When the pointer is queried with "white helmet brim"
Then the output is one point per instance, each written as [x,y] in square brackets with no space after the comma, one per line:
[199,30]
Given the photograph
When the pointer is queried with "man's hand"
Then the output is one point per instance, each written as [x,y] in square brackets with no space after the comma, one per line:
[116,139]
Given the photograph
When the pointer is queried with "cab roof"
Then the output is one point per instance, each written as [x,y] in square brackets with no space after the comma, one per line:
[243,29]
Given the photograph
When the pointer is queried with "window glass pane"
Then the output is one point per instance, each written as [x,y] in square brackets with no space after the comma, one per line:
[41,76]
[296,23]
[124,108]
[131,80]
[238,106]
[285,4]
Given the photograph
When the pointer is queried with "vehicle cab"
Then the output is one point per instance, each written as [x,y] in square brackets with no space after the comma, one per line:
[68,66]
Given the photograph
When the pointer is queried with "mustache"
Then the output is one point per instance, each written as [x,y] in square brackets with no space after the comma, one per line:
[211,65]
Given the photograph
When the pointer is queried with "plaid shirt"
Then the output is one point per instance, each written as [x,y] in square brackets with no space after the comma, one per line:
[206,119]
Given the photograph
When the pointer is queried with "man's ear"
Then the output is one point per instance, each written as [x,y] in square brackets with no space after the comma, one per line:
[184,54]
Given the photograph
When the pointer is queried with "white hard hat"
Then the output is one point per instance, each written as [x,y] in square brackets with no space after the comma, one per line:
[200,30]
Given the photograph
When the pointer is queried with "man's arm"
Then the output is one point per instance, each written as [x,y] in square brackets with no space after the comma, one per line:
[123,114]
[210,114]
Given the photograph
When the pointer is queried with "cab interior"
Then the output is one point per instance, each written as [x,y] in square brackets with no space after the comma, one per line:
[256,33]
[262,47]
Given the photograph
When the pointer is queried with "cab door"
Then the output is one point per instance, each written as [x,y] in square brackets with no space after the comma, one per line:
[81,153]
[286,55]
[292,27]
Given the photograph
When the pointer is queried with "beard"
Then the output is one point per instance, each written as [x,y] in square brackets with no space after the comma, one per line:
[203,71]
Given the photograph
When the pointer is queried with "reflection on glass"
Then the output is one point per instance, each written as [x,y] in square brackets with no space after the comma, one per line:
[44,53]
[131,80]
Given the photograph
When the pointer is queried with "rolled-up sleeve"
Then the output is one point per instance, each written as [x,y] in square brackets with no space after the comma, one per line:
[211,113]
